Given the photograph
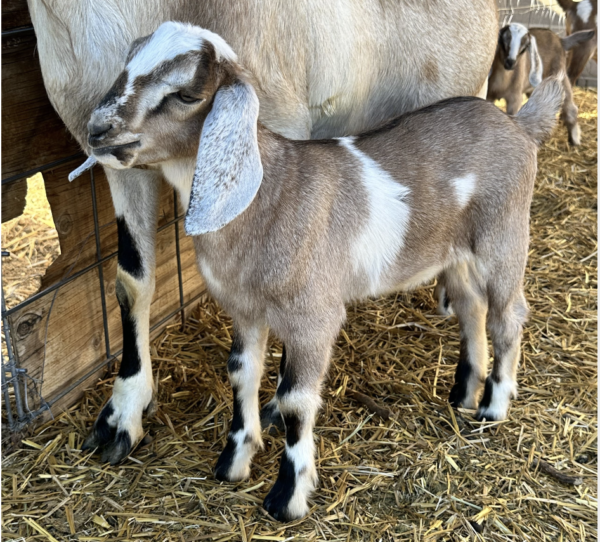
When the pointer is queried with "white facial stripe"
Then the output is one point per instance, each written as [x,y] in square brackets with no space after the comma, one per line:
[584,10]
[464,188]
[172,39]
[517,31]
[168,41]
[383,236]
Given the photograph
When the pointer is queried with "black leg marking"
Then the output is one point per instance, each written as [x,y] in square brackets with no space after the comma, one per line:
[237,348]
[119,448]
[130,362]
[237,424]
[276,502]
[486,400]
[292,429]
[101,432]
[129,256]
[270,415]
[225,461]
[461,377]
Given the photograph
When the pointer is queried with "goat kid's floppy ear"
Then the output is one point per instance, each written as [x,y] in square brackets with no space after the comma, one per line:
[228,168]
[537,69]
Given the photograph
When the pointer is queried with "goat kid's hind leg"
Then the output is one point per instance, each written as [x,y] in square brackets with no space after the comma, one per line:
[470,307]
[245,368]
[119,425]
[505,323]
[299,400]
[569,115]
[270,414]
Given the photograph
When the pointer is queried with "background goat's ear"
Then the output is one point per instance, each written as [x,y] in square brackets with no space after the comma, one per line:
[228,167]
[537,69]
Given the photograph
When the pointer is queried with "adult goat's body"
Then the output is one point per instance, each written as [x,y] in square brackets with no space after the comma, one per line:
[322,69]
[287,232]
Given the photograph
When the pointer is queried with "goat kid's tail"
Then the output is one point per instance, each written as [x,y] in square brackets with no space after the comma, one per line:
[576,38]
[538,116]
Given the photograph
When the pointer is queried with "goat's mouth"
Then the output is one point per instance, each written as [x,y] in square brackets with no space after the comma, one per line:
[117,155]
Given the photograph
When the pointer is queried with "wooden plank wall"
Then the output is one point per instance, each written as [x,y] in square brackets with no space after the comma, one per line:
[60,337]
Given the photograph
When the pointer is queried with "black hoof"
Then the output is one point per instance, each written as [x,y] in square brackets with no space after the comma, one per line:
[101,433]
[270,415]
[457,395]
[276,504]
[278,500]
[118,449]
[225,461]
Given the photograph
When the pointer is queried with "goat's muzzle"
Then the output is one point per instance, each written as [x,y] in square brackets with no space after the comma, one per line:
[509,63]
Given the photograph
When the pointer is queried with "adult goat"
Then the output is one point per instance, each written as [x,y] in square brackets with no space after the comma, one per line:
[322,69]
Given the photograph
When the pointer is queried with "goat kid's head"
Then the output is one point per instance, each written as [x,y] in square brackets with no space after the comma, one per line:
[182,94]
[514,40]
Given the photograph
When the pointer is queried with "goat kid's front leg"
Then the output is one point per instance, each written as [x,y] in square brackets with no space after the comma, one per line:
[118,427]
[245,368]
[298,396]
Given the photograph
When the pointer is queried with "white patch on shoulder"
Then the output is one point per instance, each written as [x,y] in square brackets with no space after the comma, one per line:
[464,187]
[517,31]
[382,238]
[584,10]
[179,174]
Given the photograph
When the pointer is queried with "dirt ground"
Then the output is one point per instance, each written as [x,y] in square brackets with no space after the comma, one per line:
[427,474]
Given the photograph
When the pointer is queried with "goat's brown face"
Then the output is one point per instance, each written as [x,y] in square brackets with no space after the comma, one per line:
[513,42]
[155,110]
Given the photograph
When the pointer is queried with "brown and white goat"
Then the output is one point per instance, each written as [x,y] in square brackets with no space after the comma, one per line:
[515,73]
[287,232]
[580,16]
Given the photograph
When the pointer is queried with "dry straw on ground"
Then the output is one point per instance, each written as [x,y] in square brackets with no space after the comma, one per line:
[427,473]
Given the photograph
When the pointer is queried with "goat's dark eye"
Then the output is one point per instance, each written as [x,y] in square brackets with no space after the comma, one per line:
[186,98]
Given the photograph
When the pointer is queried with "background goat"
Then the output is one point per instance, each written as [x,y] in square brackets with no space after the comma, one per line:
[287,232]
[580,16]
[515,73]
[322,69]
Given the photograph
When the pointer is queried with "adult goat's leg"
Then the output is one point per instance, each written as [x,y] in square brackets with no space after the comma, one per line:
[245,367]
[119,425]
[299,400]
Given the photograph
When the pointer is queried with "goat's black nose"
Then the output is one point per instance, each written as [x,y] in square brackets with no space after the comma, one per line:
[509,63]
[98,129]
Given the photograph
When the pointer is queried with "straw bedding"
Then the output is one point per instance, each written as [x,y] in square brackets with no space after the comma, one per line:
[427,473]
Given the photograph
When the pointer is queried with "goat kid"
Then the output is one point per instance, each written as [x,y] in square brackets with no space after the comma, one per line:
[580,16]
[287,232]
[515,73]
